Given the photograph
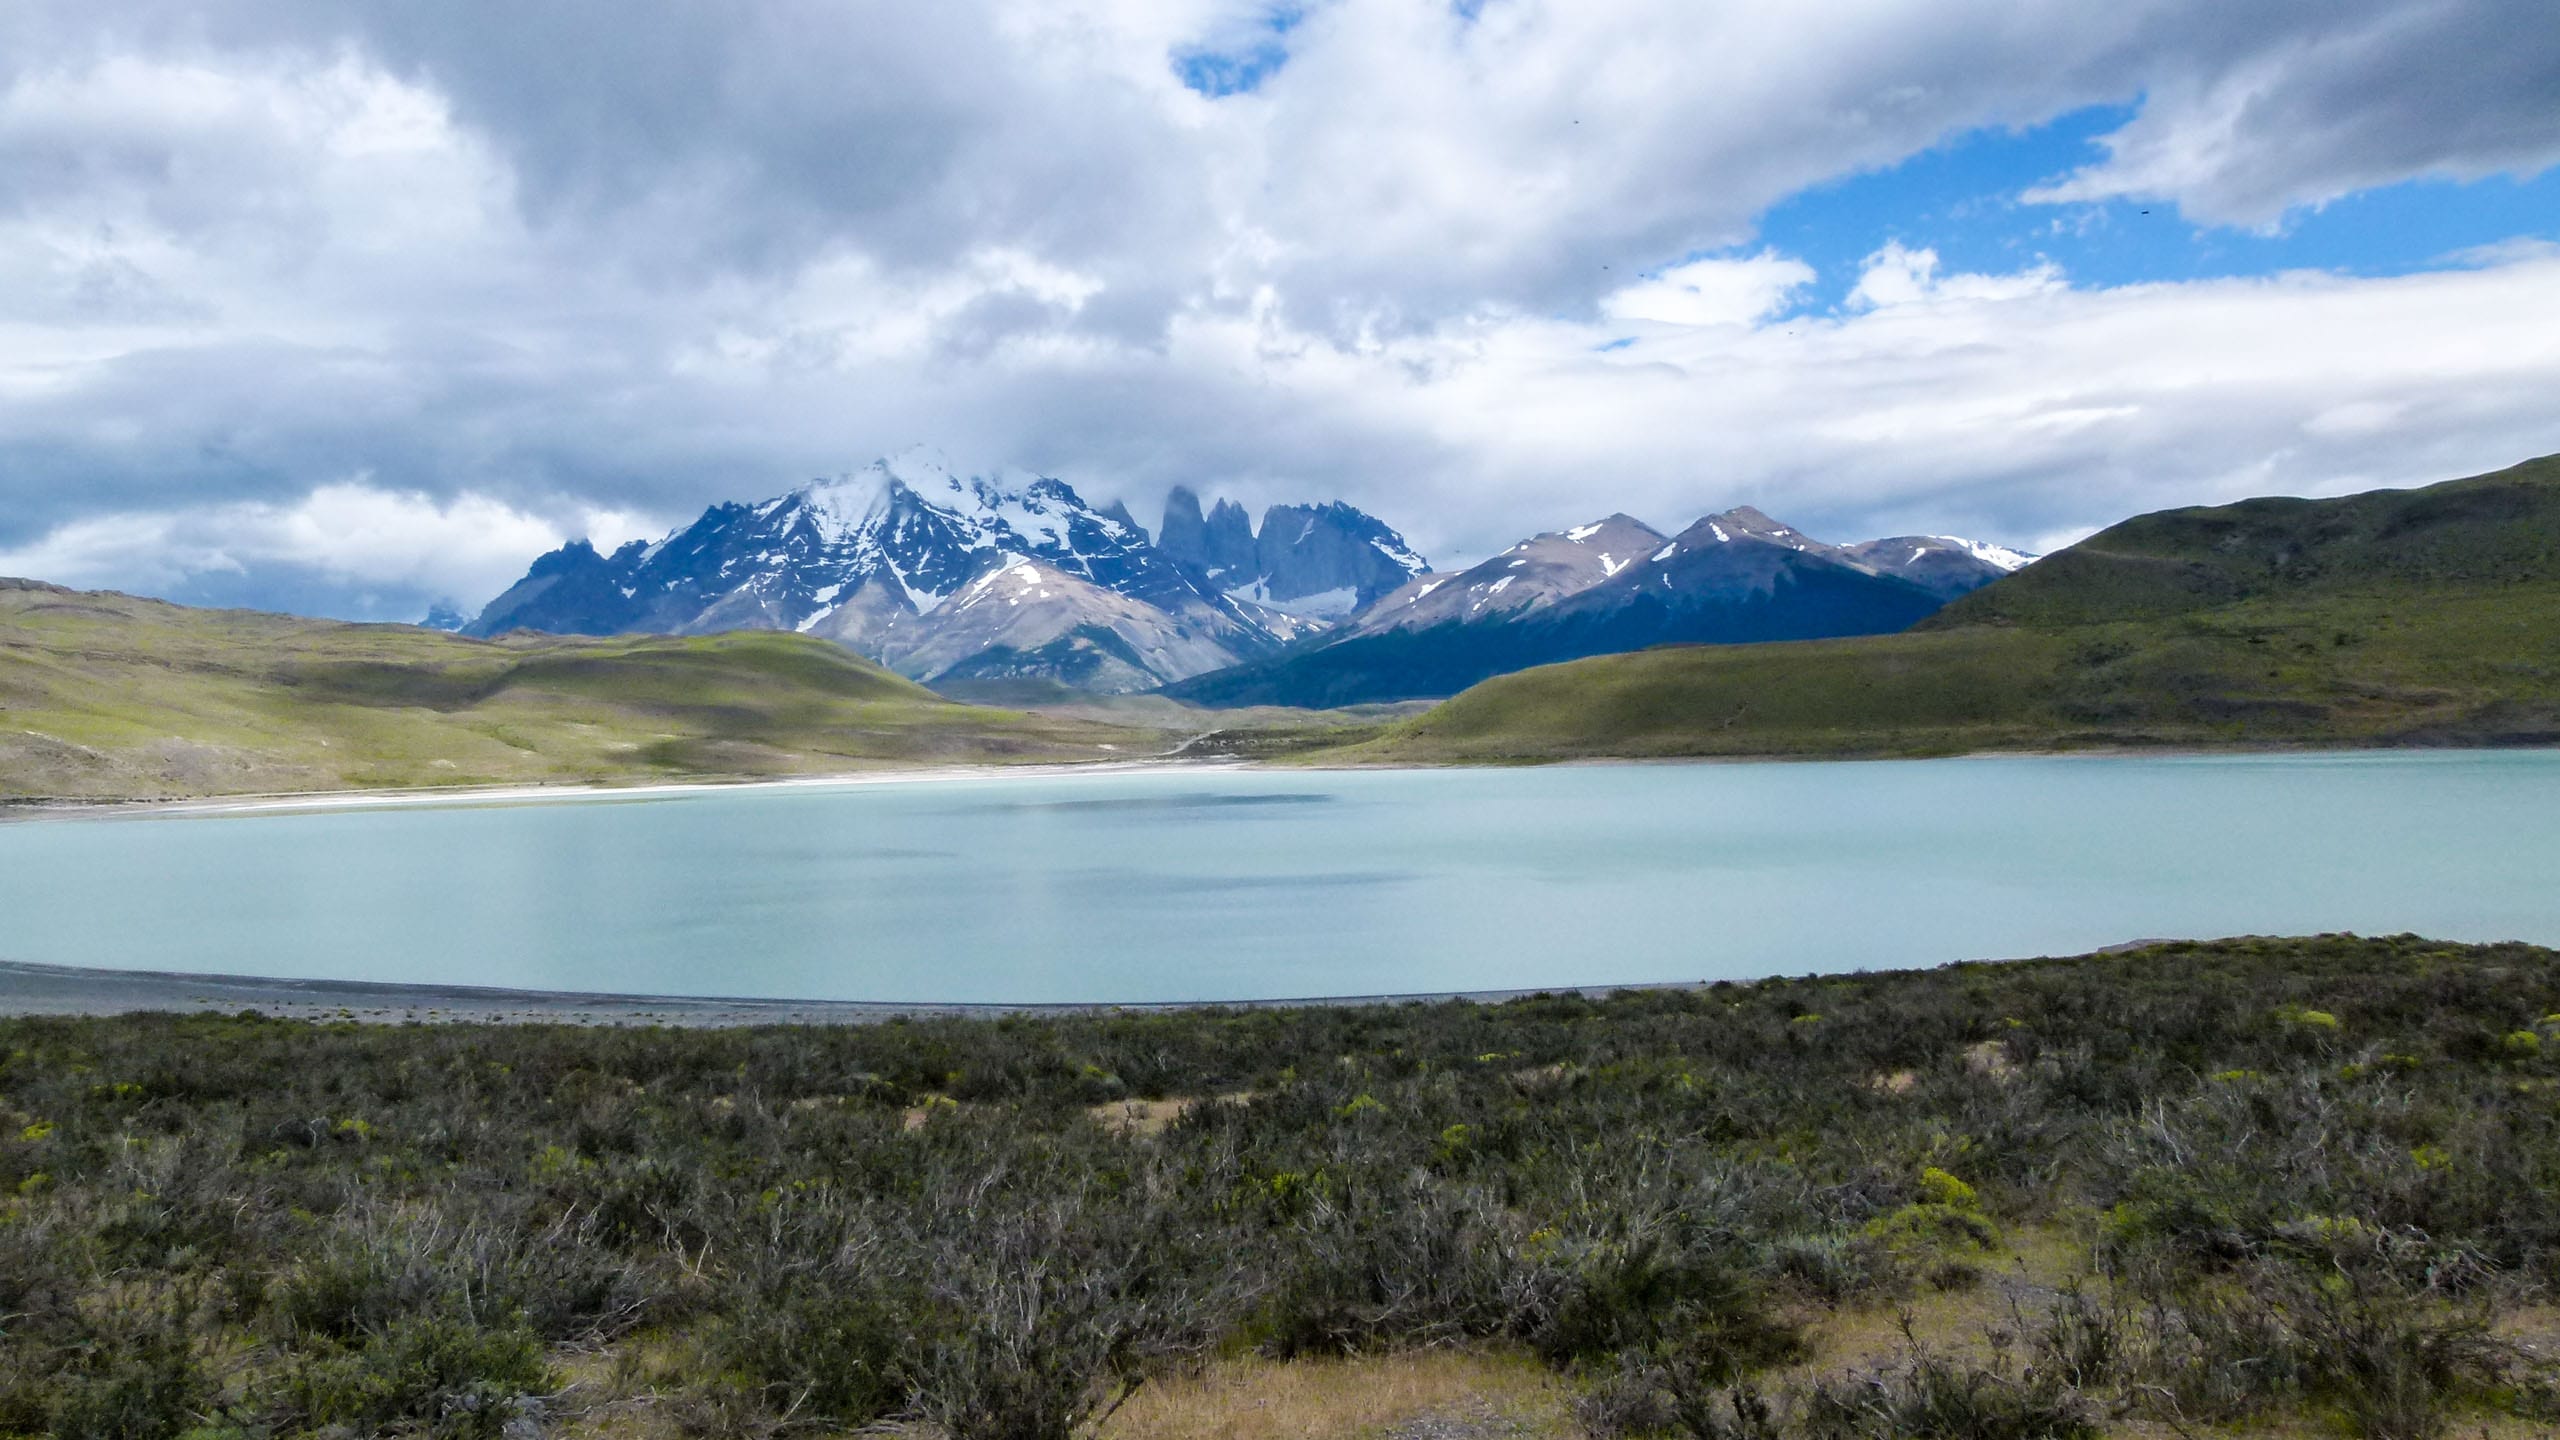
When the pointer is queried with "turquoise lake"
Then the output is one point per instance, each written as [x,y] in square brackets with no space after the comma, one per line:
[1231,884]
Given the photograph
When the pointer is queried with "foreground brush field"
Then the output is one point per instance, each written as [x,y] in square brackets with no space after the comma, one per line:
[2251,1187]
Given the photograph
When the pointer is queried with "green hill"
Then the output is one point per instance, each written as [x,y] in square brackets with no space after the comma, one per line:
[108,696]
[2481,535]
[2427,616]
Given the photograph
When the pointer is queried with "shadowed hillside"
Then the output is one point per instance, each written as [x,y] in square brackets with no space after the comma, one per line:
[2426,616]
[108,696]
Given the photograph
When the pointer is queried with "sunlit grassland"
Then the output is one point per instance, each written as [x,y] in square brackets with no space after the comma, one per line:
[2477,667]
[107,696]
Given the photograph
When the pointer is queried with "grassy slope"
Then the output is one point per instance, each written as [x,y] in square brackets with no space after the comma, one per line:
[108,696]
[2399,617]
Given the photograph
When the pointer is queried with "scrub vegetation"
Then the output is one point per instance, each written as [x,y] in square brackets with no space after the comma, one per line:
[2414,617]
[2281,1186]
[105,696]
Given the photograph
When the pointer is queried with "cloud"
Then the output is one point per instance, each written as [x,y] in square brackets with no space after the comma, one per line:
[2007,406]
[2458,89]
[542,260]
[1899,275]
[399,550]
[1713,292]
[2012,407]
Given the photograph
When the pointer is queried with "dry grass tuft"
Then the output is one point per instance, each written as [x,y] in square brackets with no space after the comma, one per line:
[1990,1060]
[1150,1117]
[1435,1393]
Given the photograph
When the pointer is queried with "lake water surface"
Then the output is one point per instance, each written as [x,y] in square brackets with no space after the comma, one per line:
[1217,884]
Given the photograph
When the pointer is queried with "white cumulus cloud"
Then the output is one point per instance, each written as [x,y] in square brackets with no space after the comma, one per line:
[249,250]
[402,549]
[1713,291]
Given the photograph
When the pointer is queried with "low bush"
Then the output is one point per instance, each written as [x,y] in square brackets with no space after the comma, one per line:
[236,1225]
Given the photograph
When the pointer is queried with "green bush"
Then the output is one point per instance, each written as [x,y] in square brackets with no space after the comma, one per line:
[146,1383]
[1932,1398]
[459,1378]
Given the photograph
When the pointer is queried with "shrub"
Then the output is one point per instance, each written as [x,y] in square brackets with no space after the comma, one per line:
[147,1383]
[2394,1359]
[1646,1398]
[461,1379]
[829,1347]
[1832,1268]
[1937,1187]
[1936,1399]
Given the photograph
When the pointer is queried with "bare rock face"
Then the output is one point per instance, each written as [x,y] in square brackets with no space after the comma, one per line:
[1034,620]
[1315,562]
[1539,572]
[1328,559]
[571,591]
[1217,546]
[1184,535]
[906,561]
[1229,551]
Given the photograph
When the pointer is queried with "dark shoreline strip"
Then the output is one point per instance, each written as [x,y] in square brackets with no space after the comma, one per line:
[32,989]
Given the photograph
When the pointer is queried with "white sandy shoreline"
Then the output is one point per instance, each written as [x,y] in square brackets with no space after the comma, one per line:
[463,795]
[534,794]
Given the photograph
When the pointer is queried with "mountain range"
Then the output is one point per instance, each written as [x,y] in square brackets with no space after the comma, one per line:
[2395,617]
[958,580]
[940,577]
[1612,585]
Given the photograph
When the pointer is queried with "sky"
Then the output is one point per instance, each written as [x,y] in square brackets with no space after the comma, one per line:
[346,309]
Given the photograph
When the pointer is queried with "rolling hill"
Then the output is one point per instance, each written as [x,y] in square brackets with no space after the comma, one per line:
[2428,616]
[105,696]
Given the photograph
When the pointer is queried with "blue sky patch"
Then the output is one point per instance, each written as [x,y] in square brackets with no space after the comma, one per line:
[1240,70]
[1960,199]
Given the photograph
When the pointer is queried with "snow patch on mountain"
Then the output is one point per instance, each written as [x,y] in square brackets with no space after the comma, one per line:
[2001,556]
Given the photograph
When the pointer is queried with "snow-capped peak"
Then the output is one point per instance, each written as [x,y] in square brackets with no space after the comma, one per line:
[921,468]
[843,506]
[1998,556]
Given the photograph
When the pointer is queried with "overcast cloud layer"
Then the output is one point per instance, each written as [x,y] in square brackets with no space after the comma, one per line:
[344,308]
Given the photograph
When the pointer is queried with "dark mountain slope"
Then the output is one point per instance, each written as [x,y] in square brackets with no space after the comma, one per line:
[1736,577]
